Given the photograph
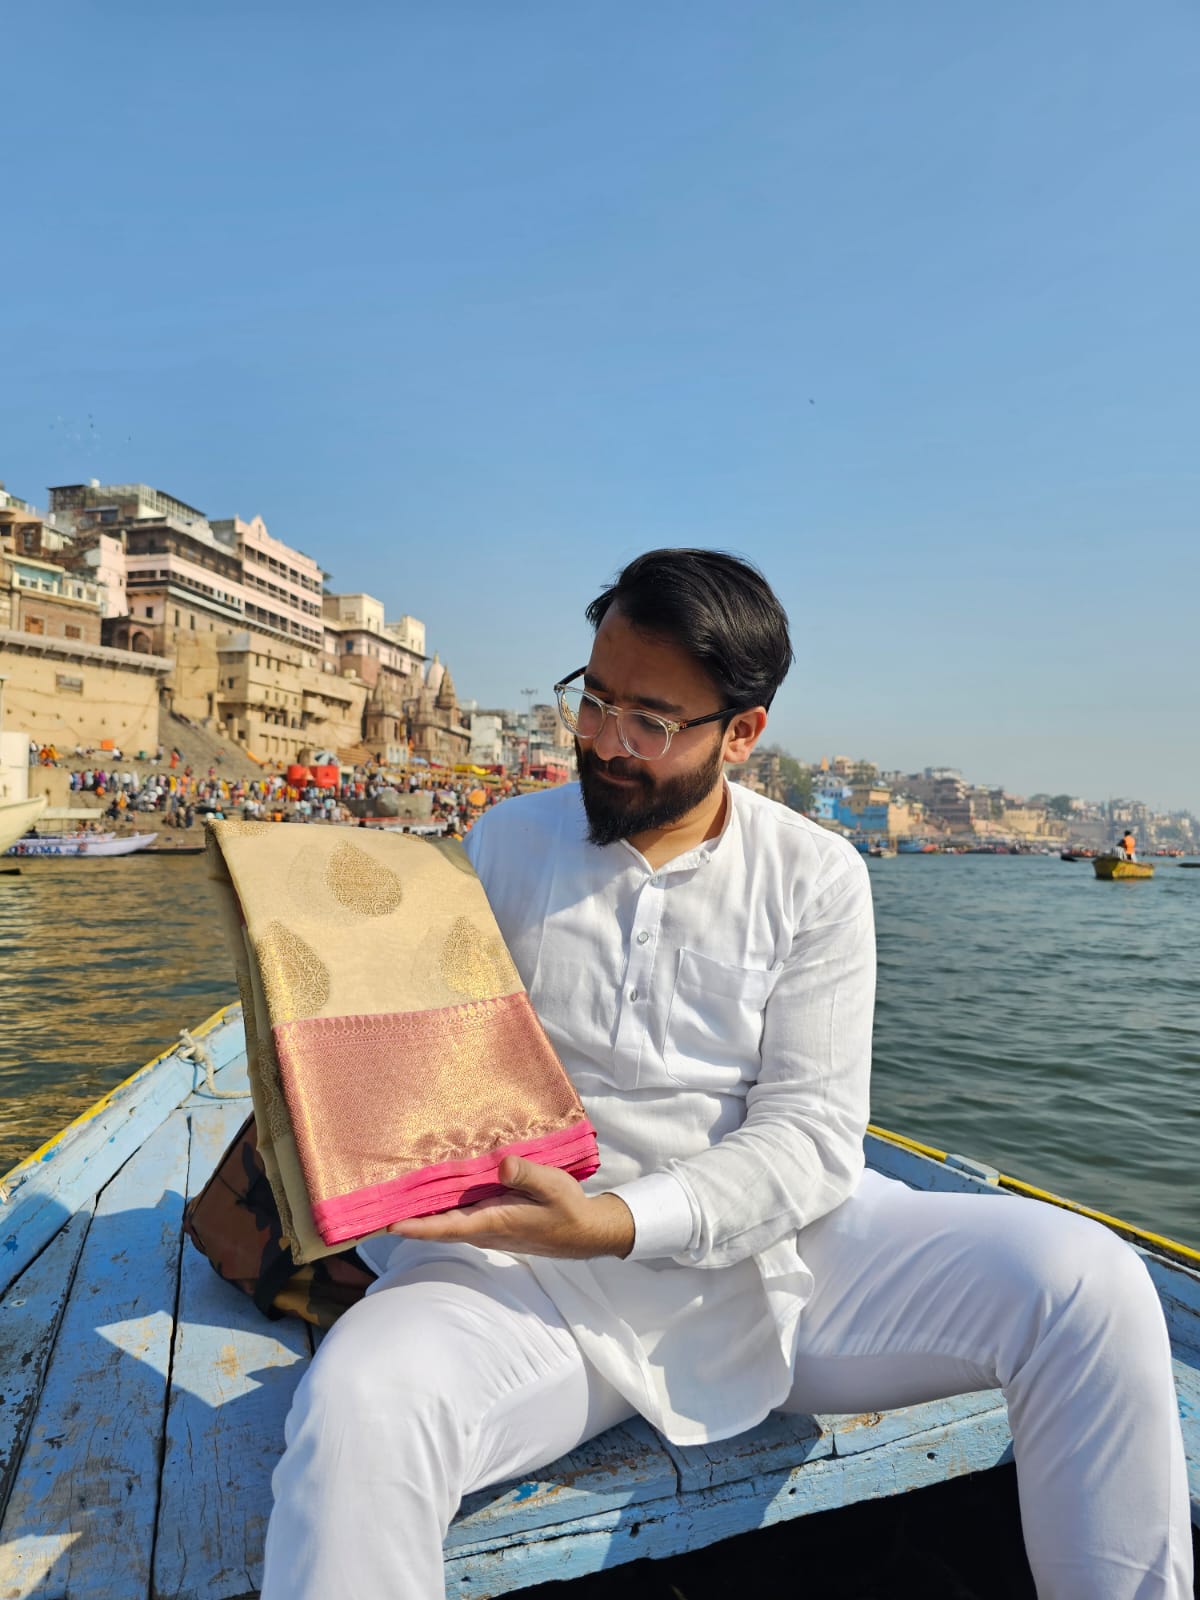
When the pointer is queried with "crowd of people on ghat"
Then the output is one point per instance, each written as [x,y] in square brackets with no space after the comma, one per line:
[181,795]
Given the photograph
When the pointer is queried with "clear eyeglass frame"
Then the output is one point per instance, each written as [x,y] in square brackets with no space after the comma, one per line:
[653,724]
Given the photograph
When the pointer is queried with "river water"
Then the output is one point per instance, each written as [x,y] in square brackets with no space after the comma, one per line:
[1029,1016]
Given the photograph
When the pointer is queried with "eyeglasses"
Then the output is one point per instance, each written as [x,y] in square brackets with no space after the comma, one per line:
[645,735]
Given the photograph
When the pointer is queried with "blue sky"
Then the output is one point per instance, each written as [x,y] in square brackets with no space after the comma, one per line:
[473,302]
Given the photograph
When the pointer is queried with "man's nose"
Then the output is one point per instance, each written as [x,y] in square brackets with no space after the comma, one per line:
[607,746]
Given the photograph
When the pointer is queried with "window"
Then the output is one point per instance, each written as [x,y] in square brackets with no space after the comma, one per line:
[192,624]
[67,685]
[72,632]
[176,616]
[150,611]
[34,625]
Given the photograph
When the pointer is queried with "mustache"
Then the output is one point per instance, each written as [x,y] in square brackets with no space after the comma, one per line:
[615,769]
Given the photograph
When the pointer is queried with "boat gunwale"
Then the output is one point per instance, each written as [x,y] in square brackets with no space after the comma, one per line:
[1157,1243]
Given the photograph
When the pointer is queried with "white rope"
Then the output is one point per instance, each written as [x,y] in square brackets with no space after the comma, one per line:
[199,1053]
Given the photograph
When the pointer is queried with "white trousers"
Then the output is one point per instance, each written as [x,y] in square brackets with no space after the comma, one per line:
[461,1374]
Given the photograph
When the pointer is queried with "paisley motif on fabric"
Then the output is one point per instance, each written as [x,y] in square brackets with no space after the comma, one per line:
[360,884]
[295,980]
[474,966]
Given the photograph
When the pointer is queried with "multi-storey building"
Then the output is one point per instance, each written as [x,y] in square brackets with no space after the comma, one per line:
[75,506]
[41,598]
[253,643]
[384,658]
[276,700]
[188,581]
[942,791]
[487,738]
[282,587]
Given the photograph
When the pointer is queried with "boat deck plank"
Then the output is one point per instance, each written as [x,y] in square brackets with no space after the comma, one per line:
[233,1375]
[80,1519]
[30,1314]
[1187,1387]
[614,1475]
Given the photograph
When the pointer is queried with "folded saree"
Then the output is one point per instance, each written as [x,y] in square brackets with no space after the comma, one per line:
[394,1056]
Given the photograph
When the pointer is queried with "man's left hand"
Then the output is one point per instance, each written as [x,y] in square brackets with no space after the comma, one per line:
[544,1213]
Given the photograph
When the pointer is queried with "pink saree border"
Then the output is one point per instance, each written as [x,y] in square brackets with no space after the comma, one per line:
[450,1183]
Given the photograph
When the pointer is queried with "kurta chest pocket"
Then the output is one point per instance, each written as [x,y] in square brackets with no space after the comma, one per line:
[715,1022]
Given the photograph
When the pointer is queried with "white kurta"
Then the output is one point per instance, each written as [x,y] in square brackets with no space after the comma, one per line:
[715,1017]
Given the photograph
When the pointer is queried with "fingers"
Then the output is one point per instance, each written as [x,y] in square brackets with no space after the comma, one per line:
[531,1177]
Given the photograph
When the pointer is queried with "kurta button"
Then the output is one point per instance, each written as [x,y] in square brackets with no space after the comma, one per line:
[643,936]
[633,994]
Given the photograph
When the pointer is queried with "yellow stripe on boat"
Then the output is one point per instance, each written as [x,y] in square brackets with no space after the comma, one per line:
[1153,1241]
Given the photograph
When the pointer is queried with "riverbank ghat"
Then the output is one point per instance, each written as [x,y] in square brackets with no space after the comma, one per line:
[145,1398]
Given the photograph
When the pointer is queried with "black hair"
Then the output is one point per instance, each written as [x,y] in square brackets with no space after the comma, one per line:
[719,608]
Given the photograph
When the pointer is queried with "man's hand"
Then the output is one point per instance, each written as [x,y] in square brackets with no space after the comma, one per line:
[544,1213]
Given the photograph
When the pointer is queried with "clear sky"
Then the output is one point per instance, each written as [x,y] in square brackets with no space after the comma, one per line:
[475,301]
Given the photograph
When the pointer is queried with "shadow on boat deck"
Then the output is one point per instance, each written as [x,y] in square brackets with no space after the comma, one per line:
[955,1541]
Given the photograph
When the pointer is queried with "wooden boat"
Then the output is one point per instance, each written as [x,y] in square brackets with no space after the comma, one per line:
[881,852]
[1110,867]
[17,817]
[83,844]
[145,1398]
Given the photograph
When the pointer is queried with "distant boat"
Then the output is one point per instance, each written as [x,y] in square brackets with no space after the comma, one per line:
[1109,867]
[17,817]
[83,844]
[881,852]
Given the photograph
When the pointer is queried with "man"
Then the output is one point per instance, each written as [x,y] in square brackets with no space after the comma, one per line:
[1129,845]
[703,961]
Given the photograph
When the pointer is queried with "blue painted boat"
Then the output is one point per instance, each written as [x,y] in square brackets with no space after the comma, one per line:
[144,1399]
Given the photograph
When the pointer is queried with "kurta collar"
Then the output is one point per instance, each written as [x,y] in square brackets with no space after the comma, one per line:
[692,859]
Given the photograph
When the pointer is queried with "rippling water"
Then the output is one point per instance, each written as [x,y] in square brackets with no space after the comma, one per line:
[1028,1015]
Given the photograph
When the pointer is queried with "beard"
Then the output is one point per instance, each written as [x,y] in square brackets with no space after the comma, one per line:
[618,811]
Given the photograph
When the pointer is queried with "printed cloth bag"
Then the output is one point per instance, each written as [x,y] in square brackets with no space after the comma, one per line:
[234,1221]
[394,1056]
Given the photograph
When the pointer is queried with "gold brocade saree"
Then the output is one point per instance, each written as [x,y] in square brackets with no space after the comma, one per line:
[394,1056]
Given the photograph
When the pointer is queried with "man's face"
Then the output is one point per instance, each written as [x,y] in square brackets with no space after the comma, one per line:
[623,796]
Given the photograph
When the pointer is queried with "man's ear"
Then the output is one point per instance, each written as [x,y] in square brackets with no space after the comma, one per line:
[743,733]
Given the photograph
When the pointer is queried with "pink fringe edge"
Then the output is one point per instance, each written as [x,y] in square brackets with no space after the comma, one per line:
[450,1183]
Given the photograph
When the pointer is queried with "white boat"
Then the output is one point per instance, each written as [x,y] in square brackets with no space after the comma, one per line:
[84,844]
[17,817]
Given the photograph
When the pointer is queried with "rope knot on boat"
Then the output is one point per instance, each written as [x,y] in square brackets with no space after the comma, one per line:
[193,1050]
